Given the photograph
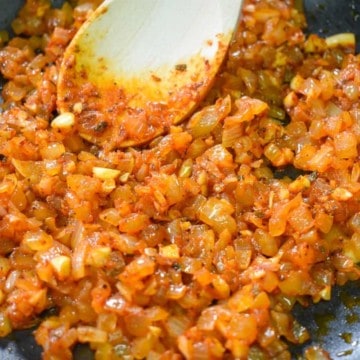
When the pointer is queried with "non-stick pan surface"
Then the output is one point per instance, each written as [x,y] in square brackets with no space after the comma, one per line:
[334,325]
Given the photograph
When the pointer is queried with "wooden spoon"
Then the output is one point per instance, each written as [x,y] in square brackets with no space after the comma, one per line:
[138,66]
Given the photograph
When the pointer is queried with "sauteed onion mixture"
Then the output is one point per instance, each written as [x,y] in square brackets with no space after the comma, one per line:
[198,244]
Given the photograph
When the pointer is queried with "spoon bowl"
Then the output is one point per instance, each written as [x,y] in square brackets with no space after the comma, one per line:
[137,67]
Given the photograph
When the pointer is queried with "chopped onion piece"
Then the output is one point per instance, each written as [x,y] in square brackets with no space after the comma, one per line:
[105,173]
[63,121]
[343,39]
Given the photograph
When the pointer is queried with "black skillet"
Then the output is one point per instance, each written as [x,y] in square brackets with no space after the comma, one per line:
[334,325]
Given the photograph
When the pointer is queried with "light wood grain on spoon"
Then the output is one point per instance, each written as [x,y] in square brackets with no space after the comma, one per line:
[138,66]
